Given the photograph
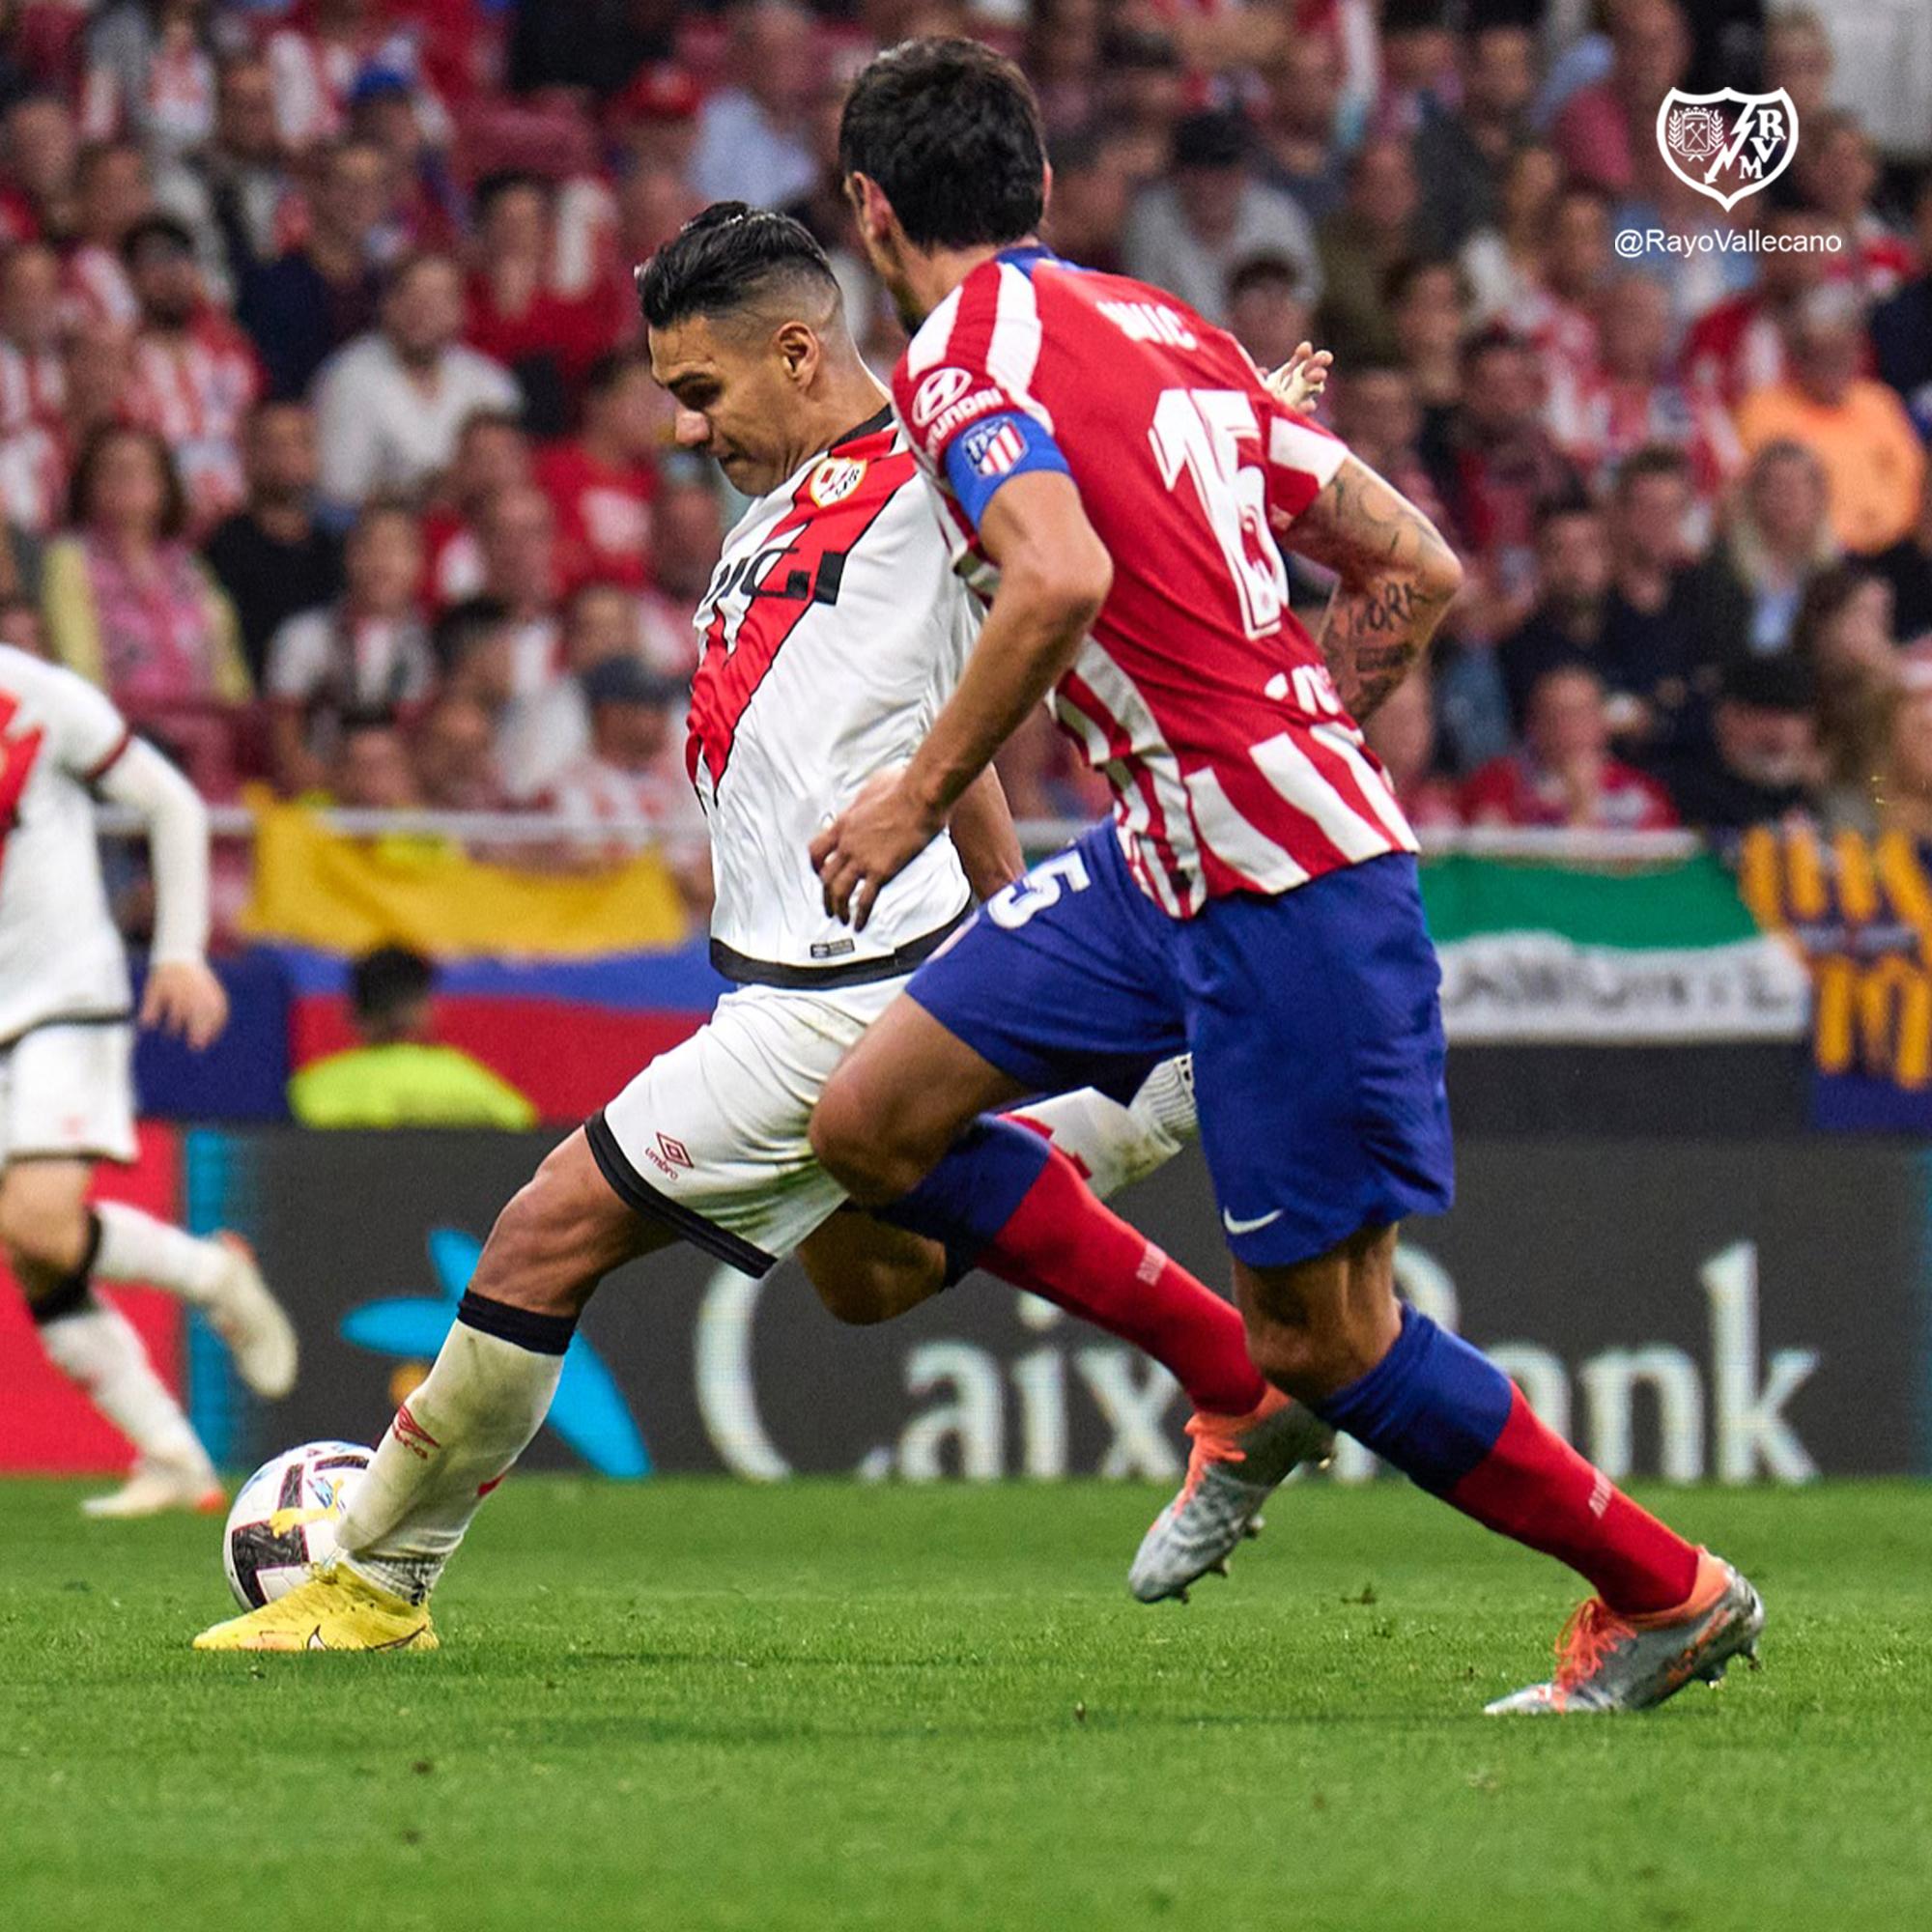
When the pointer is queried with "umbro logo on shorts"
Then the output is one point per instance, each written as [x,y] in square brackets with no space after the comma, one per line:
[670,1155]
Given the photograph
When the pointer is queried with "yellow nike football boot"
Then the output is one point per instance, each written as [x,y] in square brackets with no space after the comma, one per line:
[335,1609]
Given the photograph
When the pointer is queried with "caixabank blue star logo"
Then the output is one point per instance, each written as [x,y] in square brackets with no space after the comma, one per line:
[590,1412]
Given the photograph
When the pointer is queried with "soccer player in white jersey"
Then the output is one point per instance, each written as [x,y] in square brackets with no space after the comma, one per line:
[832,631]
[66,1087]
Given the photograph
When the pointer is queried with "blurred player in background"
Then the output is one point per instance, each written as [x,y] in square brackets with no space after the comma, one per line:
[66,1080]
[832,632]
[1114,473]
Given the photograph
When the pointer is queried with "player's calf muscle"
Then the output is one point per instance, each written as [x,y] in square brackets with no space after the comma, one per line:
[865,1273]
[1321,1324]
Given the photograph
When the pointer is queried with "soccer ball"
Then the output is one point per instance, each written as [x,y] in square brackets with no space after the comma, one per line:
[284,1518]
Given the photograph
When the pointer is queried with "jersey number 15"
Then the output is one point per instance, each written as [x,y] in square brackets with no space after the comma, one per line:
[1205,434]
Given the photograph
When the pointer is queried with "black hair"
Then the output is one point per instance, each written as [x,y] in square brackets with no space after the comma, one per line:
[727,259]
[1782,682]
[1560,505]
[463,625]
[1652,458]
[1402,275]
[951,133]
[1139,49]
[1265,270]
[1215,137]
[499,181]
[612,369]
[383,982]
[156,228]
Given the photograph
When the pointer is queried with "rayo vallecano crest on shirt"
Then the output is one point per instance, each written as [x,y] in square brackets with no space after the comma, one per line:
[1727,145]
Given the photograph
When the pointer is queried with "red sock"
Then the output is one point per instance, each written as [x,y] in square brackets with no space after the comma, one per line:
[1065,1246]
[1533,1486]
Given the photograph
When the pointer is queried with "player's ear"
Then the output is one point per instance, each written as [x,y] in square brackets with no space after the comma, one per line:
[799,350]
[871,209]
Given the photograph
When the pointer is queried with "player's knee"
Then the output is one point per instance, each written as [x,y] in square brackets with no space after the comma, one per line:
[849,1148]
[42,1233]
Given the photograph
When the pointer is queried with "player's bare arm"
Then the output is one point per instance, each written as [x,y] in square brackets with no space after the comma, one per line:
[985,836]
[1054,577]
[1397,578]
[182,996]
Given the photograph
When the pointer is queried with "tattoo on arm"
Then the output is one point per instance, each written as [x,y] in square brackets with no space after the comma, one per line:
[1397,577]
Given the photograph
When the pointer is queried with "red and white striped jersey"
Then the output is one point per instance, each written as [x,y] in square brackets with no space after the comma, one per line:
[833,629]
[96,290]
[1598,420]
[195,389]
[33,465]
[1563,334]
[315,76]
[1735,347]
[1198,695]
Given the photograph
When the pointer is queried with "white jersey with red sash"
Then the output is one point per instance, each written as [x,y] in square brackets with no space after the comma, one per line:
[832,631]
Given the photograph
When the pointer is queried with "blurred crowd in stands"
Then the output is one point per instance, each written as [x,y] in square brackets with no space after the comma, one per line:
[329,444]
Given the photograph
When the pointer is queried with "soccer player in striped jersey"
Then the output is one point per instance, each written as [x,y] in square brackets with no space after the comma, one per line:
[1114,473]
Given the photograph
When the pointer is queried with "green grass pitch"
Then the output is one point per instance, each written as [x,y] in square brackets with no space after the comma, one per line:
[691,1705]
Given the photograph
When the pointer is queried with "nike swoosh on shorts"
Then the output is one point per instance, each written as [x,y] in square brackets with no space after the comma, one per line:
[1235,1227]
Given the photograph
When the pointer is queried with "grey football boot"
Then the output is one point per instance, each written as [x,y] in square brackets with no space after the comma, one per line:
[1237,1463]
[1610,1662]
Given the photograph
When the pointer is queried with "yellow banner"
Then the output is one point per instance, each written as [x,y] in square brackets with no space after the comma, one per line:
[1860,911]
[314,887]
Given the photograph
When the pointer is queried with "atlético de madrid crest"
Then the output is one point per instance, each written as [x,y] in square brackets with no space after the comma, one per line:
[1727,145]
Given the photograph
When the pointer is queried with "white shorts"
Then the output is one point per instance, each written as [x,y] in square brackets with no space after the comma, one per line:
[710,1138]
[67,1092]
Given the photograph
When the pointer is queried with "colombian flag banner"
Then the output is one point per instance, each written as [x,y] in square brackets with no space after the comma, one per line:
[315,887]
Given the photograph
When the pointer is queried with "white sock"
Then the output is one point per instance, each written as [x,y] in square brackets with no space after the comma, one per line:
[448,1446]
[97,1348]
[1114,1146]
[136,1247]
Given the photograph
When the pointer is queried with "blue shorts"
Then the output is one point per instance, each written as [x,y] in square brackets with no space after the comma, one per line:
[1313,1019]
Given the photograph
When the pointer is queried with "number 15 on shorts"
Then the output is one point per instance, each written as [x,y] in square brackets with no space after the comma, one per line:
[1042,887]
